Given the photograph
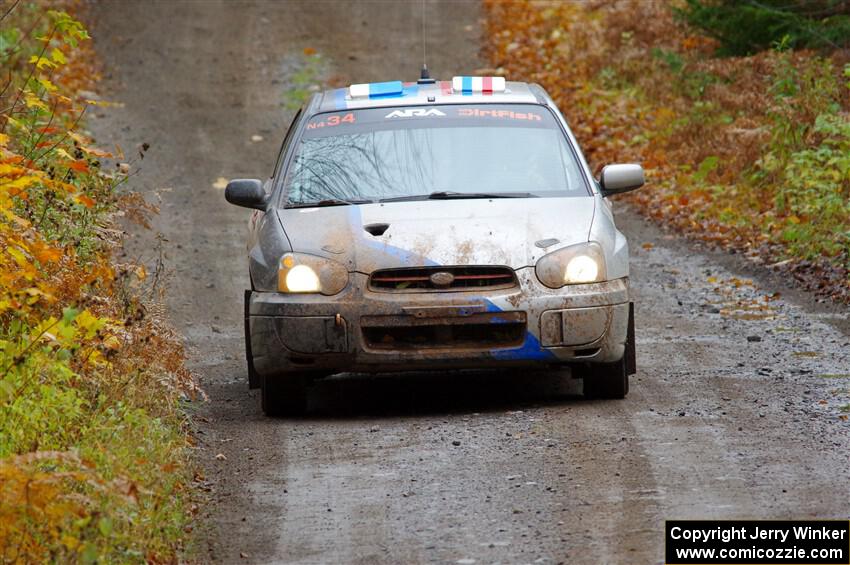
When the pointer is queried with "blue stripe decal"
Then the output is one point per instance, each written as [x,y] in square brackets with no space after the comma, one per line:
[467,86]
[411,90]
[403,256]
[530,350]
[339,99]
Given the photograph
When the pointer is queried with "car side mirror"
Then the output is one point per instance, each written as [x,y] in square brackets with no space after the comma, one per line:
[616,179]
[247,193]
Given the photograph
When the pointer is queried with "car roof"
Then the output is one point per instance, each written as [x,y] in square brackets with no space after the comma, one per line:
[414,94]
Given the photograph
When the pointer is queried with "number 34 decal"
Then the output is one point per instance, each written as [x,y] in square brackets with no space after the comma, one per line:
[332,120]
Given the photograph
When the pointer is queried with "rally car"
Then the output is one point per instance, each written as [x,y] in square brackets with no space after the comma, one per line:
[434,225]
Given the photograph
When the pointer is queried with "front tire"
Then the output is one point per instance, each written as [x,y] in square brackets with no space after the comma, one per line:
[284,395]
[611,380]
[607,380]
[254,380]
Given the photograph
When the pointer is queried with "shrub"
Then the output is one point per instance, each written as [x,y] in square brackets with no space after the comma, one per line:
[749,153]
[93,443]
[746,27]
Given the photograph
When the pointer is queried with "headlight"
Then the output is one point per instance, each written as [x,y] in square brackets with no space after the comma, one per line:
[581,269]
[583,263]
[302,278]
[299,272]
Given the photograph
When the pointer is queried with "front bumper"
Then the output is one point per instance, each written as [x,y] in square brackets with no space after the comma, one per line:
[366,331]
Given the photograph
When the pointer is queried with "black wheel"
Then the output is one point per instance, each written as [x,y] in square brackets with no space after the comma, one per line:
[284,395]
[253,377]
[606,380]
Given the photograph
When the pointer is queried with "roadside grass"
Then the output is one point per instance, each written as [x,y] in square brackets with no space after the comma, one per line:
[749,153]
[304,76]
[93,441]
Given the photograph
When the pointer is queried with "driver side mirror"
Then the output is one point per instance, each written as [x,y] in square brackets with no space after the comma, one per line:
[616,179]
[247,193]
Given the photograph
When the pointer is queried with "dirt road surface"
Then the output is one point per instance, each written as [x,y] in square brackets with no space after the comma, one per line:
[732,415]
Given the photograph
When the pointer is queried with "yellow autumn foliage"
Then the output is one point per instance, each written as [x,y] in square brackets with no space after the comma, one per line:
[748,153]
[93,445]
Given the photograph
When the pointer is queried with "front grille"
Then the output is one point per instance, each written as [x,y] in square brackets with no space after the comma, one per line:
[483,331]
[428,279]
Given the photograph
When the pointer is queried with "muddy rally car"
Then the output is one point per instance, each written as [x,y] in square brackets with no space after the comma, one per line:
[434,225]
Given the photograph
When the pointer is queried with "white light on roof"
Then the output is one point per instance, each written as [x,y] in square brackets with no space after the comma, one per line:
[359,90]
[468,85]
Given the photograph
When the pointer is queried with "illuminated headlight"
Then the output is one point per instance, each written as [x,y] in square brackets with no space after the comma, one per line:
[302,278]
[581,269]
[583,263]
[302,273]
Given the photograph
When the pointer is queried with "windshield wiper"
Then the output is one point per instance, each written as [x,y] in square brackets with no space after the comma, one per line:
[450,195]
[327,202]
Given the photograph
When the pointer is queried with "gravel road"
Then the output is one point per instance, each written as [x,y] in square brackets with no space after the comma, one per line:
[735,411]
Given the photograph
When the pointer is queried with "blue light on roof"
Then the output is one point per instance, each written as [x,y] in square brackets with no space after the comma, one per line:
[391,88]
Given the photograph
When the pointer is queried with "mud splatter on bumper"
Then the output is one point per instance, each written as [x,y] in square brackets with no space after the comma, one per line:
[361,330]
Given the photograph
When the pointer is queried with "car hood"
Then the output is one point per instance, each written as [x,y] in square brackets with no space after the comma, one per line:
[439,232]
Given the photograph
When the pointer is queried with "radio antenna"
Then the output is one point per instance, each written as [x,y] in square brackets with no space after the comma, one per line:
[424,76]
[424,59]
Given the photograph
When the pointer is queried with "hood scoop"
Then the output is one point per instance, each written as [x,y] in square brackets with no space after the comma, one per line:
[544,243]
[376,229]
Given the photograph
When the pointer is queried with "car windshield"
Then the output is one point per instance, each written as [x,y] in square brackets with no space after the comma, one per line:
[450,151]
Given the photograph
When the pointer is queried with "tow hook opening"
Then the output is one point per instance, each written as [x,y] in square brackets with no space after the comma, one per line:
[376,229]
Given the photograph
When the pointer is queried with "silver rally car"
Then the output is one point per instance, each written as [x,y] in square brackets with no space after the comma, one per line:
[434,225]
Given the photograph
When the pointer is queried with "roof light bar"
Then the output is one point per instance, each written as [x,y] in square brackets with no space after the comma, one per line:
[376,89]
[468,85]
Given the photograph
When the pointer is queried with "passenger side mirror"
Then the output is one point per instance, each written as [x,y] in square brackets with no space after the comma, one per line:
[247,193]
[616,179]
